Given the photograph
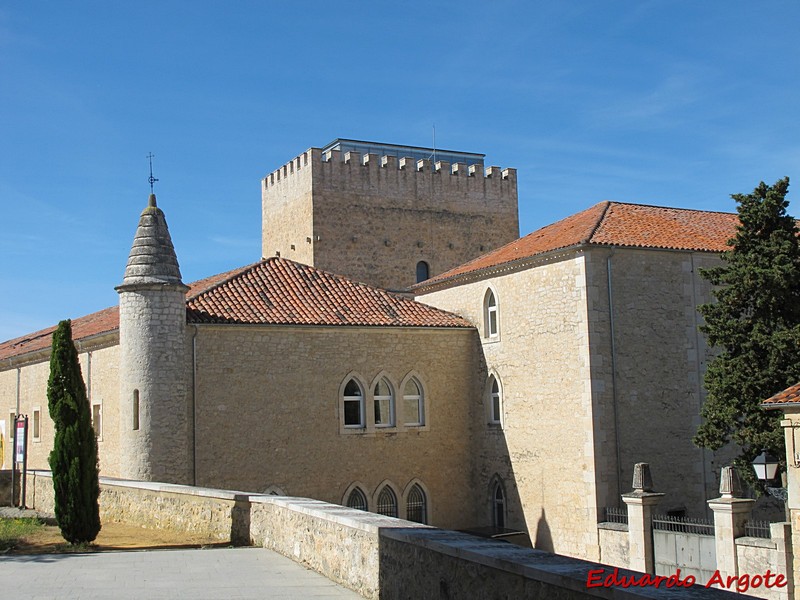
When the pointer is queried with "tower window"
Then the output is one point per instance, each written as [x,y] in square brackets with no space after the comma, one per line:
[423,271]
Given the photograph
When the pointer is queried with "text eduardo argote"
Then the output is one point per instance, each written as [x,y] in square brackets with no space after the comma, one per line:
[739,583]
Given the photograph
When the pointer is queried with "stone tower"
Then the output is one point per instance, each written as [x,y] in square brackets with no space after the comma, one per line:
[154,423]
[384,214]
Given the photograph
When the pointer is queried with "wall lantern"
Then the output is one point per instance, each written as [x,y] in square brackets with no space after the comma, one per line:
[766,466]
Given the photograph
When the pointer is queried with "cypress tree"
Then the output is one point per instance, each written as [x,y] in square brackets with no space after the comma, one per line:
[73,460]
[755,324]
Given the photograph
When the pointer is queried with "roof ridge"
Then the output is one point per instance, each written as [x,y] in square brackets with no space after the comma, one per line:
[600,219]
[701,210]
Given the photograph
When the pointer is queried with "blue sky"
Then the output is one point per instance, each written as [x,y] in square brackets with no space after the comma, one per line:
[667,102]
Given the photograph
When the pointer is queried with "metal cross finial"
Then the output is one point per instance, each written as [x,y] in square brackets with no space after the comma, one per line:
[151,179]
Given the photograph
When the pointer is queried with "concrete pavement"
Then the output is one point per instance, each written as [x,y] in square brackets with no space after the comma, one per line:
[229,573]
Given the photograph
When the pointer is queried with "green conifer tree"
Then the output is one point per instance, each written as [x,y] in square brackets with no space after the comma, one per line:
[755,324]
[73,460]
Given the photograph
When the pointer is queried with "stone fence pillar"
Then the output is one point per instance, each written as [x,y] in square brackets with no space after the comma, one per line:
[641,503]
[730,515]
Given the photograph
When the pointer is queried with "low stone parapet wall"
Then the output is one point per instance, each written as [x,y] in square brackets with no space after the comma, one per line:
[376,556]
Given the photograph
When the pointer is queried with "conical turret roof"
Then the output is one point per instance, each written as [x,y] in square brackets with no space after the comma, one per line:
[152,259]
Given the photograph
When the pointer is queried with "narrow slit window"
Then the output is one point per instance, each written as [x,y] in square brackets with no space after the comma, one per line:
[37,424]
[135,410]
[499,506]
[490,315]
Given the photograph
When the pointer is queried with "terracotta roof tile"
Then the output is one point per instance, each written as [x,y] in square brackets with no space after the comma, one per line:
[788,396]
[93,324]
[272,291]
[612,223]
[281,291]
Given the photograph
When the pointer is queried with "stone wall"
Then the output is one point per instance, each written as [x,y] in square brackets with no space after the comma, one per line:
[269,401]
[540,358]
[614,544]
[648,379]
[374,219]
[378,557]
[99,360]
[755,555]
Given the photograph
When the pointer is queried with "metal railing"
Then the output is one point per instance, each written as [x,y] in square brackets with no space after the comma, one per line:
[683,524]
[616,515]
[759,529]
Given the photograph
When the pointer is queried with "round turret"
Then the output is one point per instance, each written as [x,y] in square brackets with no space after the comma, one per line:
[154,357]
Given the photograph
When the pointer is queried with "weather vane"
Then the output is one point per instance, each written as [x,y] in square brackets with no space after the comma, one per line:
[151,179]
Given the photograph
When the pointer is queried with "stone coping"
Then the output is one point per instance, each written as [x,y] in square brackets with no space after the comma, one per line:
[341,515]
[613,526]
[537,565]
[756,541]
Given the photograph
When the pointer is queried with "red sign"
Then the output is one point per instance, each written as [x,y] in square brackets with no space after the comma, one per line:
[19,441]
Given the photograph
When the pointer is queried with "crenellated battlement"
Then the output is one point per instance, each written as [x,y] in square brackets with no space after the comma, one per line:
[384,213]
[343,163]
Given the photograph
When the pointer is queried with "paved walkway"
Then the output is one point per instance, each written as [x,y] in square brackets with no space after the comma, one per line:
[229,573]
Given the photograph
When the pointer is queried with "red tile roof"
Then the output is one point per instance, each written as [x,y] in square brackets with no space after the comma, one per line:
[788,396]
[103,321]
[612,223]
[281,291]
[272,291]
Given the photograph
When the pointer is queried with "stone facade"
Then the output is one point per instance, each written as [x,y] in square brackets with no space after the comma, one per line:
[27,380]
[603,406]
[262,389]
[374,218]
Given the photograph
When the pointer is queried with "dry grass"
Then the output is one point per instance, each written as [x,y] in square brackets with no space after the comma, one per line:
[31,536]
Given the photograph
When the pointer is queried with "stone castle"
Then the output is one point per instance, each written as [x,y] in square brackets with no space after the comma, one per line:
[514,391]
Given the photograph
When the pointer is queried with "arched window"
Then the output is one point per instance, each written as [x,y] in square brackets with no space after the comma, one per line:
[494,399]
[353,404]
[357,499]
[423,271]
[387,502]
[416,505]
[490,317]
[413,403]
[498,505]
[384,404]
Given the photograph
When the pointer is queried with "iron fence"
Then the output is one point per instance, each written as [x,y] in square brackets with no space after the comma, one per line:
[758,529]
[683,524]
[616,515]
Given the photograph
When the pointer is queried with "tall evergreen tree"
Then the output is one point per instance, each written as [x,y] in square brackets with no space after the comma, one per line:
[755,324]
[73,460]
